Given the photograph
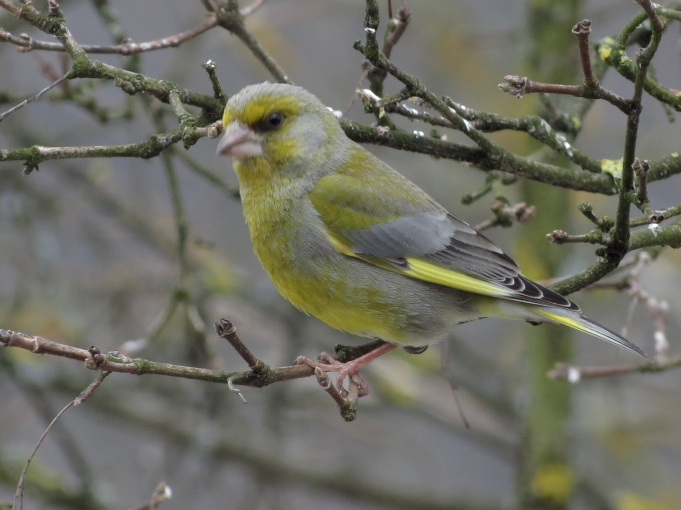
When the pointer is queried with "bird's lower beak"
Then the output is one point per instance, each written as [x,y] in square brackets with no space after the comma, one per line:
[240,142]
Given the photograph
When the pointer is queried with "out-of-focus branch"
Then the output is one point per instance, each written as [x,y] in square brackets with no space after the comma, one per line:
[82,397]
[340,481]
[161,494]
[33,98]
[576,374]
[129,82]
[396,27]
[658,312]
[10,7]
[650,10]
[505,214]
[26,43]
[231,18]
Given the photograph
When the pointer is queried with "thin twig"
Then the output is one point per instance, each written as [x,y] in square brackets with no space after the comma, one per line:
[562,237]
[518,86]
[162,492]
[9,6]
[33,98]
[154,329]
[19,494]
[208,174]
[396,27]
[254,6]
[225,329]
[588,211]
[582,31]
[649,8]
[26,44]
[659,312]
[231,18]
[659,216]
[563,371]
[218,93]
[505,215]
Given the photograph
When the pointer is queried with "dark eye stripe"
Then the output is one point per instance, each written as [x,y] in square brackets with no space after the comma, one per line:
[271,122]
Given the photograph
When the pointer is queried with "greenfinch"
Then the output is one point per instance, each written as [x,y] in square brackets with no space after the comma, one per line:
[346,238]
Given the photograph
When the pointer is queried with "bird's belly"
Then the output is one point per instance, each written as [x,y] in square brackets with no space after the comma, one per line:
[345,292]
[354,296]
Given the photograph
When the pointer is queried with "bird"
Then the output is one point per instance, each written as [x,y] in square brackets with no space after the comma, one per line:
[346,238]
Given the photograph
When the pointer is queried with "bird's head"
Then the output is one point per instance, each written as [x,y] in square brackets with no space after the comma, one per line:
[283,126]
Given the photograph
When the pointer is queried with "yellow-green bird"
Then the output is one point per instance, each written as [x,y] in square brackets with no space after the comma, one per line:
[347,239]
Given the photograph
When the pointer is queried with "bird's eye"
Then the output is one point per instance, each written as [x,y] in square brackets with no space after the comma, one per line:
[274,120]
[270,122]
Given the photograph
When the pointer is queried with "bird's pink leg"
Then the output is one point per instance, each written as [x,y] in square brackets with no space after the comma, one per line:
[327,363]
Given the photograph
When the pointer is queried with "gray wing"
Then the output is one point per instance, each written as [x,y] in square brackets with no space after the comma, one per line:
[444,240]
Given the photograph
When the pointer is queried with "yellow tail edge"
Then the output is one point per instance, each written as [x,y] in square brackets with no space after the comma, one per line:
[586,325]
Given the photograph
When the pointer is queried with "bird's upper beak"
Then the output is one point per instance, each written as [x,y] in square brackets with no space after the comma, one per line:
[240,142]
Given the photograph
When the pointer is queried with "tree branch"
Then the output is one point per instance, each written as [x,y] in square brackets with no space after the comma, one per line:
[26,43]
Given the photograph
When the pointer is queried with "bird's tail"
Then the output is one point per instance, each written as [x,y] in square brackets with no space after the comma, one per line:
[586,325]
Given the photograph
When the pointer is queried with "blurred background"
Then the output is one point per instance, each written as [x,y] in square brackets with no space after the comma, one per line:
[89,257]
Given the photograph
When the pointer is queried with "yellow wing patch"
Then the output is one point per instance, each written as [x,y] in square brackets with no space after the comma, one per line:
[341,247]
[428,272]
[433,273]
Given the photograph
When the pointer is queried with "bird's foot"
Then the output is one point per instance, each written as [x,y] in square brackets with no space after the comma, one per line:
[328,363]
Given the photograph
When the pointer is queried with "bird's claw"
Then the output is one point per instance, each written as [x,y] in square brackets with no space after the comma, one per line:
[328,363]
